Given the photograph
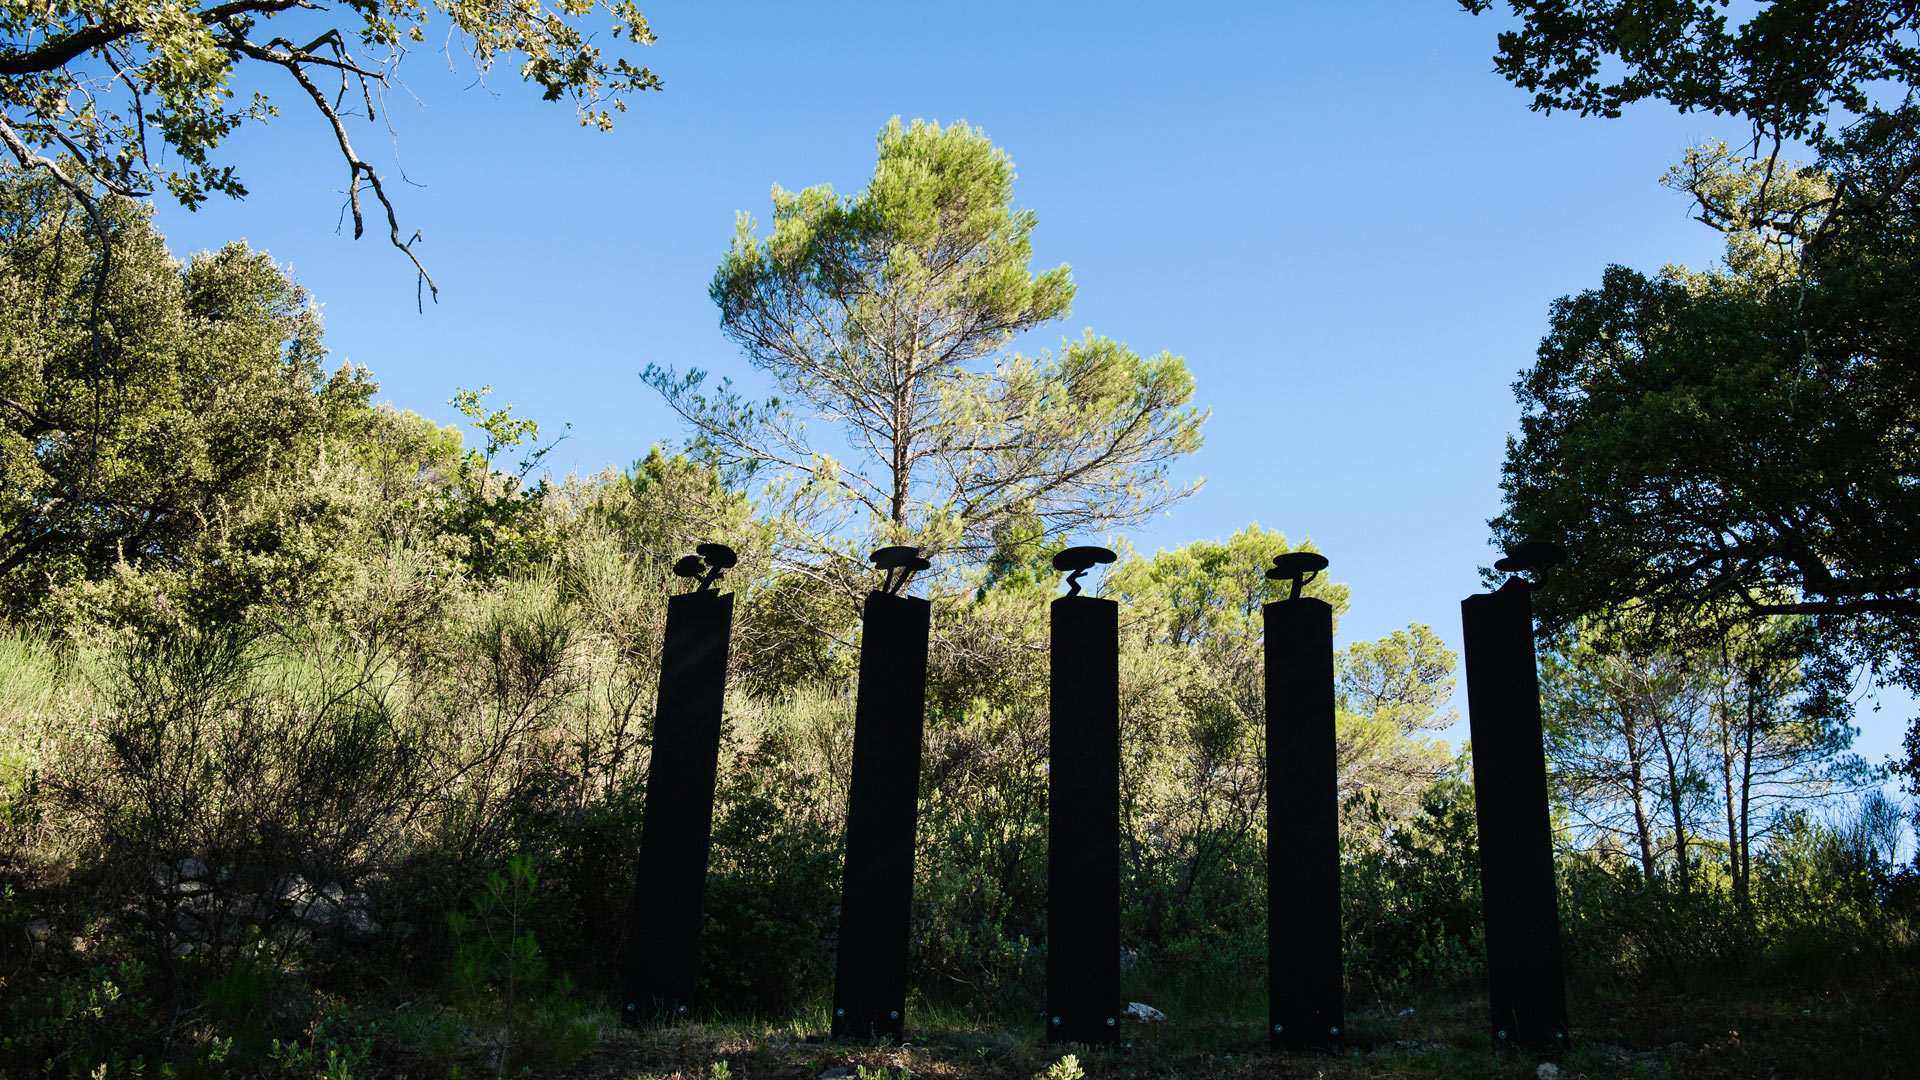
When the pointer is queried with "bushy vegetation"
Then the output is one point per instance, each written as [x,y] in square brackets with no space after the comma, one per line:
[324,736]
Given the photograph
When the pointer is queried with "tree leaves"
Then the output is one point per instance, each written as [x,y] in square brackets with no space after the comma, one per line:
[120,88]
[204,390]
[1786,67]
[1732,444]
[886,315]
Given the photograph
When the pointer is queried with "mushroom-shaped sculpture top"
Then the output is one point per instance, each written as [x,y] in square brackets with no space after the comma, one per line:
[1535,555]
[895,558]
[1298,567]
[718,556]
[900,562]
[1079,560]
[1295,564]
[706,564]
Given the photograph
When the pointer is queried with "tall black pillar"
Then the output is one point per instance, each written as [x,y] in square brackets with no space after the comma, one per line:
[870,975]
[1083,822]
[663,938]
[1525,983]
[1305,1001]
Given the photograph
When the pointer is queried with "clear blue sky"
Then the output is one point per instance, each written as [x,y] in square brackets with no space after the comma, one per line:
[1348,226]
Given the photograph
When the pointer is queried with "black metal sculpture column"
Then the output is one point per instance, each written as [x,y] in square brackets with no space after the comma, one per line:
[1083,811]
[663,937]
[876,899]
[1305,1003]
[1525,984]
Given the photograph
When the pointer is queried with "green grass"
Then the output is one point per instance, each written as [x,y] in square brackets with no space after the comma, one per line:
[1866,1028]
[1852,1021]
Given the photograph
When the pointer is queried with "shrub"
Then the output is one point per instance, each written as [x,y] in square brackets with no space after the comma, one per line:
[1411,894]
[102,1018]
[500,976]
[772,880]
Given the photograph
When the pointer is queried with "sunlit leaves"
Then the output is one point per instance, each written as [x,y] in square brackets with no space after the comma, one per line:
[1785,65]
[161,419]
[885,317]
[126,86]
[1734,443]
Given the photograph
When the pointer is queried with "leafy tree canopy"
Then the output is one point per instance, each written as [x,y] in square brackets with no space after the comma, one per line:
[1209,593]
[1740,443]
[138,415]
[1838,75]
[1787,67]
[140,92]
[886,315]
[1731,444]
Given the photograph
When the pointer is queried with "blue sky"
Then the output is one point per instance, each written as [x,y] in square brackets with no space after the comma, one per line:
[1348,226]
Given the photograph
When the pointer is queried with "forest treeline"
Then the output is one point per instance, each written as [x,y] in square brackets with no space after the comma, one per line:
[308,705]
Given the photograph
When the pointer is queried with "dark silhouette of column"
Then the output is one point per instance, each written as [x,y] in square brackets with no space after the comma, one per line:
[1083,811]
[663,936]
[876,900]
[1525,982]
[1305,1001]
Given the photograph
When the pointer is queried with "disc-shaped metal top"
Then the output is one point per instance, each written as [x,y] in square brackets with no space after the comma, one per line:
[899,557]
[718,556]
[1076,559]
[1296,563]
[1531,555]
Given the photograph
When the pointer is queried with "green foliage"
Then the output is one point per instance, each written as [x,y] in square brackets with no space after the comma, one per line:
[128,87]
[1835,880]
[162,421]
[240,1004]
[1410,890]
[1067,1068]
[398,659]
[1825,900]
[1405,677]
[885,315]
[500,975]
[1650,437]
[1787,66]
[1393,694]
[328,1053]
[1675,752]
[104,1017]
[668,502]
[1649,446]
[1208,594]
[499,513]
[774,871]
[33,689]
[203,747]
[1620,926]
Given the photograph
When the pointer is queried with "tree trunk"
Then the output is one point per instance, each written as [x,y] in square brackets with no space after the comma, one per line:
[1637,785]
[1743,866]
[903,439]
[1728,752]
[1676,806]
[1666,718]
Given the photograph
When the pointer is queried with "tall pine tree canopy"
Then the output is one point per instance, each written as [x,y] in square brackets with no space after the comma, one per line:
[886,316]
